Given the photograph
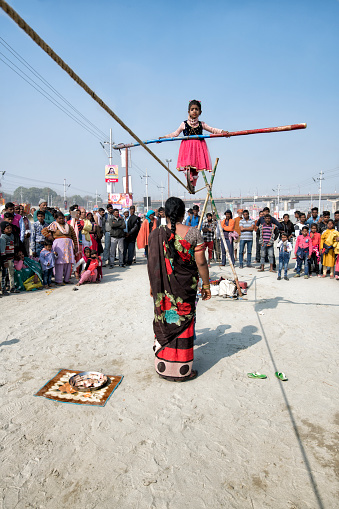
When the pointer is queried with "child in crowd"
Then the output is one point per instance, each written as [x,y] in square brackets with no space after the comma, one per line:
[91,270]
[80,266]
[303,251]
[266,241]
[327,248]
[285,248]
[37,239]
[47,261]
[336,252]
[315,256]
[2,259]
[6,234]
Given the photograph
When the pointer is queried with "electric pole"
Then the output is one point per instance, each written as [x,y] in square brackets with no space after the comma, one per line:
[146,185]
[321,178]
[278,193]
[168,178]
[162,193]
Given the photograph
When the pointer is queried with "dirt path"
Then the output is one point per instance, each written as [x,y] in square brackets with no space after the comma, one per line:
[222,440]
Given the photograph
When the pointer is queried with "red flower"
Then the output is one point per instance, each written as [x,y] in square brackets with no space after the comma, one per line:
[184,256]
[165,303]
[168,266]
[183,308]
[185,244]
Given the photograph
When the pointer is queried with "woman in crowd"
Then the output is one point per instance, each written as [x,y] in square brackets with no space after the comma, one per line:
[86,229]
[77,226]
[95,234]
[147,226]
[227,225]
[64,244]
[27,226]
[176,257]
[326,247]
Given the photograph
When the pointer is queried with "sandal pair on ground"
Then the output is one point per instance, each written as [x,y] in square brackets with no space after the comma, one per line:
[281,376]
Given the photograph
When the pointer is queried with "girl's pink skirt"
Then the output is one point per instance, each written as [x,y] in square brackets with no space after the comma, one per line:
[194,154]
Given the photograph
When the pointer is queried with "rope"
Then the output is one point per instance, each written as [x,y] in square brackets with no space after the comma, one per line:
[44,46]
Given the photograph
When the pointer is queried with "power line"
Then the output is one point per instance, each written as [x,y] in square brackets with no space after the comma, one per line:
[46,94]
[61,63]
[39,76]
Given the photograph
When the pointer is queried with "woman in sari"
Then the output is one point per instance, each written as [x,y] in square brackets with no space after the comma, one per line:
[176,257]
[77,227]
[64,244]
[147,226]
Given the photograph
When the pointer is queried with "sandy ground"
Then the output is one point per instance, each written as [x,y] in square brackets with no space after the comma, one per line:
[222,440]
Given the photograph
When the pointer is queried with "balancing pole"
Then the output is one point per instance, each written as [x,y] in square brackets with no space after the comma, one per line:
[209,193]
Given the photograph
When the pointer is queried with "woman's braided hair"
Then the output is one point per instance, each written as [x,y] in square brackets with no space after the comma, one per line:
[174,210]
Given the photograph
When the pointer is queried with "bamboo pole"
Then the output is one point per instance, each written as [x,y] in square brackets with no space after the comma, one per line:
[230,134]
[209,192]
[207,195]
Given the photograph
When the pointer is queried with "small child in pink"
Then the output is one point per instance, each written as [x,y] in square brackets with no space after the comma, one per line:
[91,270]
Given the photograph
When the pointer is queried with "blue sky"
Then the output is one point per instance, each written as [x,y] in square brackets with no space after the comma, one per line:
[252,64]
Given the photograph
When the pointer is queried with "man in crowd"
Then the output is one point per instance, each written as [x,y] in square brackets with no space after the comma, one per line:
[37,239]
[133,227]
[257,244]
[246,226]
[273,220]
[314,218]
[117,225]
[107,232]
[336,220]
[267,242]
[217,240]
[237,229]
[49,218]
[300,224]
[161,220]
[194,220]
[322,225]
[208,228]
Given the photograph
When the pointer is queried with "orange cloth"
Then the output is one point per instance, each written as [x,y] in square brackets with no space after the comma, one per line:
[230,227]
[142,238]
[236,224]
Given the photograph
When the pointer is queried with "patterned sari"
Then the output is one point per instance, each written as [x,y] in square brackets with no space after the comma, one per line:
[174,287]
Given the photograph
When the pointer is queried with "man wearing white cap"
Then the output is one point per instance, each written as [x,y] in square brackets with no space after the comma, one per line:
[43,206]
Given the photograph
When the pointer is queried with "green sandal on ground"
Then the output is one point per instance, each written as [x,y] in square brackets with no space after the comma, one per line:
[256,375]
[281,376]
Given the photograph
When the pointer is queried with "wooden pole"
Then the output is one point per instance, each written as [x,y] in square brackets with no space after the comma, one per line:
[209,192]
[230,134]
[207,195]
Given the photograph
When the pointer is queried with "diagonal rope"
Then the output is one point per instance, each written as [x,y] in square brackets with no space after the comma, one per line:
[44,46]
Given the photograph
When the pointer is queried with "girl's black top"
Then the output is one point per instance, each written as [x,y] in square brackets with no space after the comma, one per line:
[192,131]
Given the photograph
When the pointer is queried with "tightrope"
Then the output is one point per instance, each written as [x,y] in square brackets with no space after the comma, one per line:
[47,49]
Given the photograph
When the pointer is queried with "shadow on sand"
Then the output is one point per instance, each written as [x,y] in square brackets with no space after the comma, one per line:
[214,344]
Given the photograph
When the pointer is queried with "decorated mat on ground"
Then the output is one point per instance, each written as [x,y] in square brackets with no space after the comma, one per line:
[59,389]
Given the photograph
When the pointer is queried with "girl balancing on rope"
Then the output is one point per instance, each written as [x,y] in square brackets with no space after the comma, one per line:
[193,154]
